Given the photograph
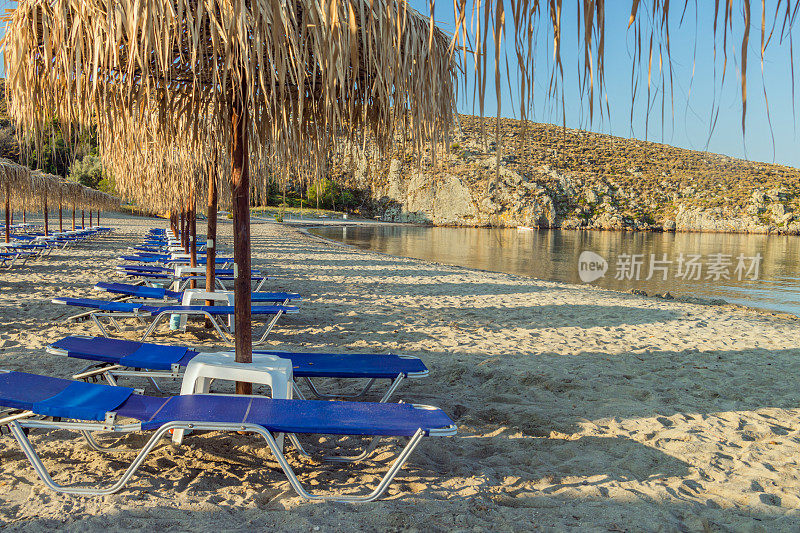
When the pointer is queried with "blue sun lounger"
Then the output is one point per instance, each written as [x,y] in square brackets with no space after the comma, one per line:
[158,293]
[30,401]
[159,274]
[155,269]
[113,310]
[168,260]
[114,358]
[9,258]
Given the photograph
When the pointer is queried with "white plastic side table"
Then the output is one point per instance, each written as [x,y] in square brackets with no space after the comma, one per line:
[200,296]
[265,369]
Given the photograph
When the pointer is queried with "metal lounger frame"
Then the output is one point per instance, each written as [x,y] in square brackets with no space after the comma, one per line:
[221,328]
[19,421]
[111,371]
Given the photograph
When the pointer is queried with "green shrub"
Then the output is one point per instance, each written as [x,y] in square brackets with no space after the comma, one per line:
[87,171]
[330,196]
[323,194]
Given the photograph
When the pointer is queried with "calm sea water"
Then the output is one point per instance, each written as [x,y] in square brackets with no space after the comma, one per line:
[708,265]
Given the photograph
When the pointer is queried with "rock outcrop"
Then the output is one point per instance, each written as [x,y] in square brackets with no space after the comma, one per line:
[550,177]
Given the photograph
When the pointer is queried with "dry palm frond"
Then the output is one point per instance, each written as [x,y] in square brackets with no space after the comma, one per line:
[13,177]
[45,190]
[301,70]
[71,192]
[476,21]
[650,22]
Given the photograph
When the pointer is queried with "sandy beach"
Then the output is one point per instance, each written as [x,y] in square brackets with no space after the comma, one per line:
[578,408]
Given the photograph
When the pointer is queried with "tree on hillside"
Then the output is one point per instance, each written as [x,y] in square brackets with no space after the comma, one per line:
[87,171]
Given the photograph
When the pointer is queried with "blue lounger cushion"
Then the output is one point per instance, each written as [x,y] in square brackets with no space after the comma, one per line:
[288,416]
[60,397]
[156,275]
[148,275]
[32,392]
[141,291]
[305,364]
[100,305]
[141,259]
[144,268]
[146,257]
[129,307]
[216,310]
[124,352]
[350,365]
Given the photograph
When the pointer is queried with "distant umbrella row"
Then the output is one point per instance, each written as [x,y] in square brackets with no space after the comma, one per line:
[22,189]
[33,190]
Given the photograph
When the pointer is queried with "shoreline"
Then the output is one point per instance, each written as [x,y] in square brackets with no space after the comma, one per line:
[716,302]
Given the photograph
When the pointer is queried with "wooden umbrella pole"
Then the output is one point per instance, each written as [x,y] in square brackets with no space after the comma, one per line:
[186,230]
[98,218]
[73,218]
[211,231]
[183,229]
[193,233]
[8,214]
[60,221]
[90,218]
[83,219]
[173,223]
[240,185]
[46,226]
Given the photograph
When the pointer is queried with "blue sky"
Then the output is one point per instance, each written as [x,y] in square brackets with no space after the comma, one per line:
[688,126]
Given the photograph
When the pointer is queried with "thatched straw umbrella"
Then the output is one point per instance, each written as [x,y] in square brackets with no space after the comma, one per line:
[174,174]
[106,202]
[72,192]
[95,200]
[45,187]
[12,177]
[243,74]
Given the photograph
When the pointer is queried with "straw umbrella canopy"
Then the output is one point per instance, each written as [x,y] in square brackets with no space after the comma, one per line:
[98,200]
[176,174]
[241,73]
[46,188]
[12,177]
[72,194]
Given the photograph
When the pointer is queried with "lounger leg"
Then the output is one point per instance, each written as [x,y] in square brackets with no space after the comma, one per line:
[269,328]
[225,337]
[153,382]
[94,370]
[297,393]
[324,396]
[152,327]
[44,475]
[99,324]
[372,496]
[392,388]
[335,458]
[97,446]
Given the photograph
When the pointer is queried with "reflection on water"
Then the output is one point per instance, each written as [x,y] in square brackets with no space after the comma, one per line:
[553,255]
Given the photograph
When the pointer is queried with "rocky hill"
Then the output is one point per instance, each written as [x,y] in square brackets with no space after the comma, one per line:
[555,177]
